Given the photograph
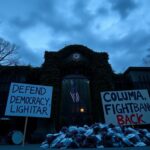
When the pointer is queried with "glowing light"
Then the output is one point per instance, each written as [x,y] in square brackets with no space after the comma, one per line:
[82,110]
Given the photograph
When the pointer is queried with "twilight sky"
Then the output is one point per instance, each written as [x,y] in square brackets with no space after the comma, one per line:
[119,27]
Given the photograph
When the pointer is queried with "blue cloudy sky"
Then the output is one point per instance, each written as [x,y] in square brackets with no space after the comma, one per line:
[119,27]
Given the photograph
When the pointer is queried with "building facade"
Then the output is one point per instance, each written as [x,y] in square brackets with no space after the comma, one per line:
[77,75]
[139,76]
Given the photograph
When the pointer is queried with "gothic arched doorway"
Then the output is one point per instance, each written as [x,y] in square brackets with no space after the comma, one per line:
[75,107]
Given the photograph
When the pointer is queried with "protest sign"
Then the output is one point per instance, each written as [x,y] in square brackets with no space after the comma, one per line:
[130,107]
[29,100]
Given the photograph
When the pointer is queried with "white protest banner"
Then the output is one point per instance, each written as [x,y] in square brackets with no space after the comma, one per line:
[29,100]
[131,107]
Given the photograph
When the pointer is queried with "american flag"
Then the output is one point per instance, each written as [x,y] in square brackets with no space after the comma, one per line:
[74,92]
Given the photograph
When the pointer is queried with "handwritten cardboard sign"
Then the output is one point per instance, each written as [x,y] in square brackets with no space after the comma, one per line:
[130,107]
[29,100]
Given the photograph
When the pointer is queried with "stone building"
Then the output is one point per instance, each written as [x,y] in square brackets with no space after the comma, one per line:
[73,69]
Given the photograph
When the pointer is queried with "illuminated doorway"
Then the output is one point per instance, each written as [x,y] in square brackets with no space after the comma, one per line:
[75,108]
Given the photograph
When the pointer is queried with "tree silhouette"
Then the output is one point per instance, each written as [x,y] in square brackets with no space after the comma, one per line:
[8,53]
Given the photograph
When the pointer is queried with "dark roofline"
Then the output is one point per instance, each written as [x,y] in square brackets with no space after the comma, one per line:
[69,49]
[137,69]
[75,48]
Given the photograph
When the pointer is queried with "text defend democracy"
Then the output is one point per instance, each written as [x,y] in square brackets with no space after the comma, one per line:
[24,89]
[29,100]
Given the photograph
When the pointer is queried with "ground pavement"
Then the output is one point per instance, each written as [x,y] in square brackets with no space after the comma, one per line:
[37,147]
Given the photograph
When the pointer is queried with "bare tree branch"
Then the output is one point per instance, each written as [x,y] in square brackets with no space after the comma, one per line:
[8,53]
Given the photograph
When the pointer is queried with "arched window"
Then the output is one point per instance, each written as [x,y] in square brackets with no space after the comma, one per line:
[75,103]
